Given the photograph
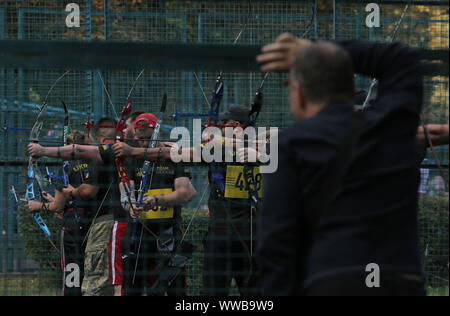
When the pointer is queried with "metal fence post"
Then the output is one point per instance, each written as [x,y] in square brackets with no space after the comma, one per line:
[89,73]
[106,105]
[334,20]
[9,215]
[2,92]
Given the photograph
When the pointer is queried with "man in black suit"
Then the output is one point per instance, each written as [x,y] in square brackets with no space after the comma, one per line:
[340,213]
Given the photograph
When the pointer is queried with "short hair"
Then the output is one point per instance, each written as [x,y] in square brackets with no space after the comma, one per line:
[79,138]
[325,71]
[106,131]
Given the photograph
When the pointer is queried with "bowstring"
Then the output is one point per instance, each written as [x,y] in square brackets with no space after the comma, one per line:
[394,34]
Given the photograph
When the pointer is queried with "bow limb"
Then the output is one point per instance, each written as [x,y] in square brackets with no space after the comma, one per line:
[120,162]
[375,81]
[33,171]
[308,29]
[146,182]
[65,135]
[135,82]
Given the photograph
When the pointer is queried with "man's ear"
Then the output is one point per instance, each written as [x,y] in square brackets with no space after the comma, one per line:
[294,99]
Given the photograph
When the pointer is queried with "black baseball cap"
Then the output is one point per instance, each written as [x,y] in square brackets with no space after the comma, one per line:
[237,112]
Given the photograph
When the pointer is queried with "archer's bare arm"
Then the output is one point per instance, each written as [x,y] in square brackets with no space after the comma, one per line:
[70,152]
[53,204]
[152,154]
[438,134]
[184,193]
[85,192]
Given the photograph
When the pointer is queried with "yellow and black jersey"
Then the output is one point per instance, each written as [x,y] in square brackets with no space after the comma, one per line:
[235,192]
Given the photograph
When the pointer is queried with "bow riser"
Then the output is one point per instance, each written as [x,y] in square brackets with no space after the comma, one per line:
[148,165]
[33,171]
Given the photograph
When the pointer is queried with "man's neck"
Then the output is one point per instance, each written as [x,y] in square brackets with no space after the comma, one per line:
[313,109]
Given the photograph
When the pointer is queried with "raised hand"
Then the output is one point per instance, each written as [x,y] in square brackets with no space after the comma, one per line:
[280,55]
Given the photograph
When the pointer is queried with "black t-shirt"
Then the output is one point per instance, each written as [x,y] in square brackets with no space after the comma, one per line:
[162,182]
[79,172]
[107,179]
[373,215]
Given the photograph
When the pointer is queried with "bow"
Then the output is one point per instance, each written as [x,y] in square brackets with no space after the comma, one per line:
[148,167]
[249,175]
[375,81]
[146,183]
[33,171]
[119,137]
[120,162]
[65,135]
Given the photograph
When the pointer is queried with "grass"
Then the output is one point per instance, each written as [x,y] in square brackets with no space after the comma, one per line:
[35,284]
[28,284]
[23,284]
[438,291]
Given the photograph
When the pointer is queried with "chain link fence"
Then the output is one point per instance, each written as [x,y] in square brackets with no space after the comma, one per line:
[94,93]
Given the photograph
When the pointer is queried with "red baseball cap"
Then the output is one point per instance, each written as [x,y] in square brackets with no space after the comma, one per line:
[149,119]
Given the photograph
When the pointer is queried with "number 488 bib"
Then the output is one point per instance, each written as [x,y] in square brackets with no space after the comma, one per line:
[235,187]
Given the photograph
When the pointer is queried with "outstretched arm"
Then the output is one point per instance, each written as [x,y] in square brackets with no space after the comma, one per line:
[154,154]
[70,152]
[438,134]
[52,204]
[122,149]
[84,192]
